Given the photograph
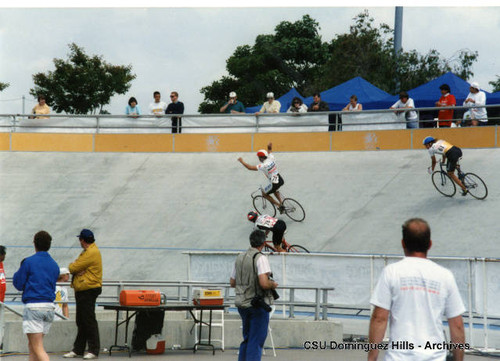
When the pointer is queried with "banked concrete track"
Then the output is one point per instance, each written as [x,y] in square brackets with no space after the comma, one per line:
[145,209]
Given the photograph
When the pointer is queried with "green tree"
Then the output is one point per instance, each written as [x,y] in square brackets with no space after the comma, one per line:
[495,84]
[3,86]
[290,57]
[368,52]
[82,84]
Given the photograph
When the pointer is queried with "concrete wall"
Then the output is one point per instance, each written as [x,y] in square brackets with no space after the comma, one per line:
[471,137]
[286,333]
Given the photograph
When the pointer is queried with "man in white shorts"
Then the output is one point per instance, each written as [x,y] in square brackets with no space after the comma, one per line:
[268,167]
[37,278]
[416,293]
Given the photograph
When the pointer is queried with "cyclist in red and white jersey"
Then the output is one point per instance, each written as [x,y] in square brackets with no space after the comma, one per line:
[269,224]
[450,153]
[268,167]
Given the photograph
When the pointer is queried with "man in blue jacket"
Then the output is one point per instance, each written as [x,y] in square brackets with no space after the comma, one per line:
[37,277]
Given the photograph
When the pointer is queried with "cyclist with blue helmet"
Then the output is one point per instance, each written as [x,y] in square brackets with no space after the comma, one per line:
[268,167]
[449,152]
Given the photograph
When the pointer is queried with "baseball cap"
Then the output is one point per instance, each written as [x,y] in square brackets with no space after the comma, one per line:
[86,233]
[270,95]
[232,94]
[474,84]
[63,271]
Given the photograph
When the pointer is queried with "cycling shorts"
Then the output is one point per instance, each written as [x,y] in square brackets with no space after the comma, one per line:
[453,155]
[276,186]
[278,230]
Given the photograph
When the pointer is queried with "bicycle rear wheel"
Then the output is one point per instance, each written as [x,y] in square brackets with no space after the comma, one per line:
[475,185]
[443,183]
[295,248]
[294,210]
[263,206]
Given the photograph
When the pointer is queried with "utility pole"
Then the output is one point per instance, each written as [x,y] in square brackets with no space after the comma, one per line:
[398,39]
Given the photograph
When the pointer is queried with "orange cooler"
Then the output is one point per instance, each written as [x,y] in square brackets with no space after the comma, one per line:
[140,298]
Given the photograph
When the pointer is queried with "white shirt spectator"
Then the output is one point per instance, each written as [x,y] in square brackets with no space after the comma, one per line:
[418,293]
[411,114]
[479,99]
[157,108]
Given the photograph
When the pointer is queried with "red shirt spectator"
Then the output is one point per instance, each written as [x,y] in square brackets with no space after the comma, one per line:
[446,100]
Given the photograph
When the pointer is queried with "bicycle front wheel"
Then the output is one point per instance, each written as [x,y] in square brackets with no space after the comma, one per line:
[295,248]
[443,183]
[475,185]
[263,206]
[294,210]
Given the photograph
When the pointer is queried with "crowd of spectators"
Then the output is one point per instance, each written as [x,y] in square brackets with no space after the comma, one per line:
[404,107]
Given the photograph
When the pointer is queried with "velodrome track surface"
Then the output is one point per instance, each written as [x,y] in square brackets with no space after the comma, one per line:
[145,209]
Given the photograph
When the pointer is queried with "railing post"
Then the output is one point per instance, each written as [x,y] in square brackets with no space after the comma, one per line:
[97,123]
[292,300]
[316,311]
[256,124]
[325,305]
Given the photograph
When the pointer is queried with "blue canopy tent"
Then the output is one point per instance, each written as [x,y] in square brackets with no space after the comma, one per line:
[493,98]
[285,101]
[426,95]
[338,96]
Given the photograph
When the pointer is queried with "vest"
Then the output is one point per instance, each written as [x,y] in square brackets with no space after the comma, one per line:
[247,280]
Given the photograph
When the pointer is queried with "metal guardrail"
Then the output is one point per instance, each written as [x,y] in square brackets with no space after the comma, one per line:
[183,291]
[335,122]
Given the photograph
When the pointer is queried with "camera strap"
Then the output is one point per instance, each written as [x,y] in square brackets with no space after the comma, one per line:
[257,286]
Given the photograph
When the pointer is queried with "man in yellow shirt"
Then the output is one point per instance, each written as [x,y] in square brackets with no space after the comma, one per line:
[87,282]
[40,108]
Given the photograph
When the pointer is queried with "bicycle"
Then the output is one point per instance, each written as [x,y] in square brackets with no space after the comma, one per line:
[446,186]
[294,248]
[291,207]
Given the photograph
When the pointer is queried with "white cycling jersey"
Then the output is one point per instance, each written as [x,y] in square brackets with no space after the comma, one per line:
[265,222]
[269,168]
[440,147]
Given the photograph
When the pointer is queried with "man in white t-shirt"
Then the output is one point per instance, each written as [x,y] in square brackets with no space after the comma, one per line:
[268,167]
[157,107]
[416,293]
[405,102]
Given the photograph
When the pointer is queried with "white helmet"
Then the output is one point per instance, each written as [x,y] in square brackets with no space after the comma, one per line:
[262,153]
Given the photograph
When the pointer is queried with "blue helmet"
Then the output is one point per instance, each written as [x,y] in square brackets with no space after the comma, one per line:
[427,140]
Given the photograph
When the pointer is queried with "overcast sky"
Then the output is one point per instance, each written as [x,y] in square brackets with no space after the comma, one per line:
[184,49]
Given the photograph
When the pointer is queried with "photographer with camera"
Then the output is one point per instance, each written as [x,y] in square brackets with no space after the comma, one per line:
[255,292]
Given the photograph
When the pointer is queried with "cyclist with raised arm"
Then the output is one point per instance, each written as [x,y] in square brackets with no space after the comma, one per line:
[268,224]
[268,167]
[450,153]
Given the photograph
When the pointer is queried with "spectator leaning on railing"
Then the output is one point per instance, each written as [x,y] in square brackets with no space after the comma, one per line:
[318,105]
[271,106]
[405,102]
[297,106]
[133,108]
[476,97]
[157,107]
[40,108]
[233,105]
[446,100]
[353,105]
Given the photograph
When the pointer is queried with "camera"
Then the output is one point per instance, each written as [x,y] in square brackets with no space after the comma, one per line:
[258,302]
[275,294]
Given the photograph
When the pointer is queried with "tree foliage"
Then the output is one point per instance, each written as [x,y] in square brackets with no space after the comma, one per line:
[82,84]
[3,86]
[276,62]
[296,56]
[495,84]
